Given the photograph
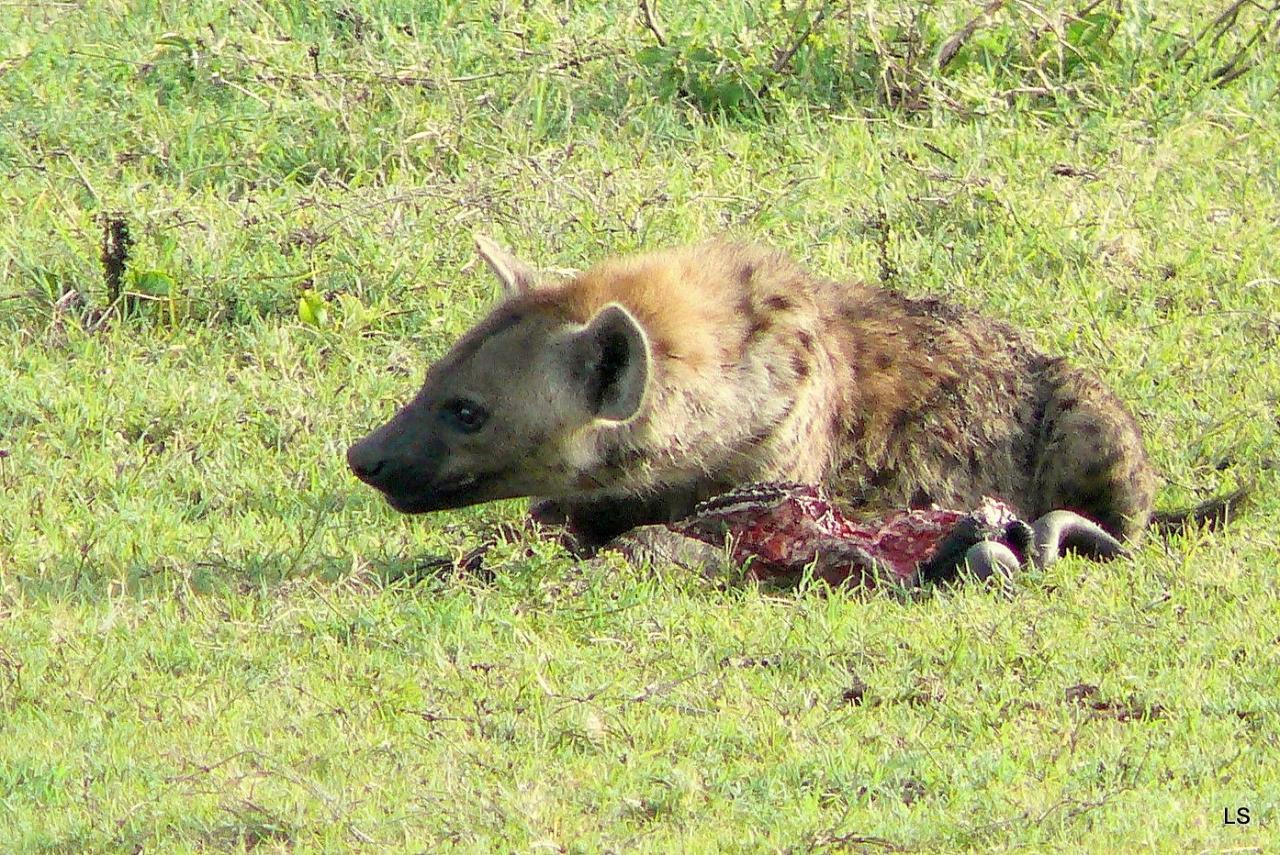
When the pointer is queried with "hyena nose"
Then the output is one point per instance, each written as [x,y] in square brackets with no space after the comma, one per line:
[365,465]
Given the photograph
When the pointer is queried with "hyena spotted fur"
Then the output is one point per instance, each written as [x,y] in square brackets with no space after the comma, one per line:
[629,393]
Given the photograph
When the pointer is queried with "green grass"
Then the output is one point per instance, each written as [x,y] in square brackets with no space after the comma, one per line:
[212,638]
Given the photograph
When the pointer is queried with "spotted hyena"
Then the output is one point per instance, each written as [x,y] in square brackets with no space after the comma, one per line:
[627,394]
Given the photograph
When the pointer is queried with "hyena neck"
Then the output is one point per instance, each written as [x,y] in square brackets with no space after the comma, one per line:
[761,372]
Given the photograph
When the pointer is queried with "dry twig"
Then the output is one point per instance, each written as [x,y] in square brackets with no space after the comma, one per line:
[651,22]
[1221,23]
[784,56]
[952,46]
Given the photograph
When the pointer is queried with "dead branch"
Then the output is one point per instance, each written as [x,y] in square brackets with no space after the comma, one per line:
[651,22]
[115,253]
[952,45]
[784,57]
[1224,20]
[1234,67]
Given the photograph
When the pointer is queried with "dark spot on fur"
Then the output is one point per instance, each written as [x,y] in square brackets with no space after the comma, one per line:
[800,366]
[931,307]
[779,303]
[757,323]
[904,419]
[945,395]
[1092,430]
[854,353]
[883,361]
[837,425]
[1068,403]
[1043,363]
[748,270]
[806,341]
[1037,415]
[761,436]
[920,498]
[881,479]
[855,431]
[852,316]
[620,457]
[504,320]
[1043,429]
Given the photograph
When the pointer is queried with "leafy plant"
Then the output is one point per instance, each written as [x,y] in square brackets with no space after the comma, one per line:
[158,287]
[350,312]
[313,310]
[730,74]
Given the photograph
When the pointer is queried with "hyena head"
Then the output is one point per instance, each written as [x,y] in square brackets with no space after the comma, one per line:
[514,407]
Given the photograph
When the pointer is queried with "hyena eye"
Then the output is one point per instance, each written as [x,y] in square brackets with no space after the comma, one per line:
[463,415]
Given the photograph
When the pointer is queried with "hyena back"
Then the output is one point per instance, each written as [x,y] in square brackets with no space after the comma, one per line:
[631,392]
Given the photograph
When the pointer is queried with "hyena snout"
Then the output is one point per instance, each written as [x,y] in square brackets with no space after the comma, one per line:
[407,486]
[389,460]
[367,463]
[414,470]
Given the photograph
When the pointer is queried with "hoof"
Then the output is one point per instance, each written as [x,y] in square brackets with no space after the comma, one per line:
[991,558]
[1060,531]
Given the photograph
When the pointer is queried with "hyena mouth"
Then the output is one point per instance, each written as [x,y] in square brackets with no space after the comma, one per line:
[455,492]
[457,484]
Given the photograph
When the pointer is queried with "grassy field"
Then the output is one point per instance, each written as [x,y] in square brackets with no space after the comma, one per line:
[212,638]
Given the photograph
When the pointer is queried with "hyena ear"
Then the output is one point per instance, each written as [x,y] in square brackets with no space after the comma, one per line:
[613,359]
[516,277]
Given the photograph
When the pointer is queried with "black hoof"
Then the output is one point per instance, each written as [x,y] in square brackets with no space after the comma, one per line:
[1061,531]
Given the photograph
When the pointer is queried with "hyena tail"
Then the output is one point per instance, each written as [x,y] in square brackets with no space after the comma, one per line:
[1211,514]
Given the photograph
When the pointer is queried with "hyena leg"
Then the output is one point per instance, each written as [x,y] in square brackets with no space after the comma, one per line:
[1090,458]
[595,522]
